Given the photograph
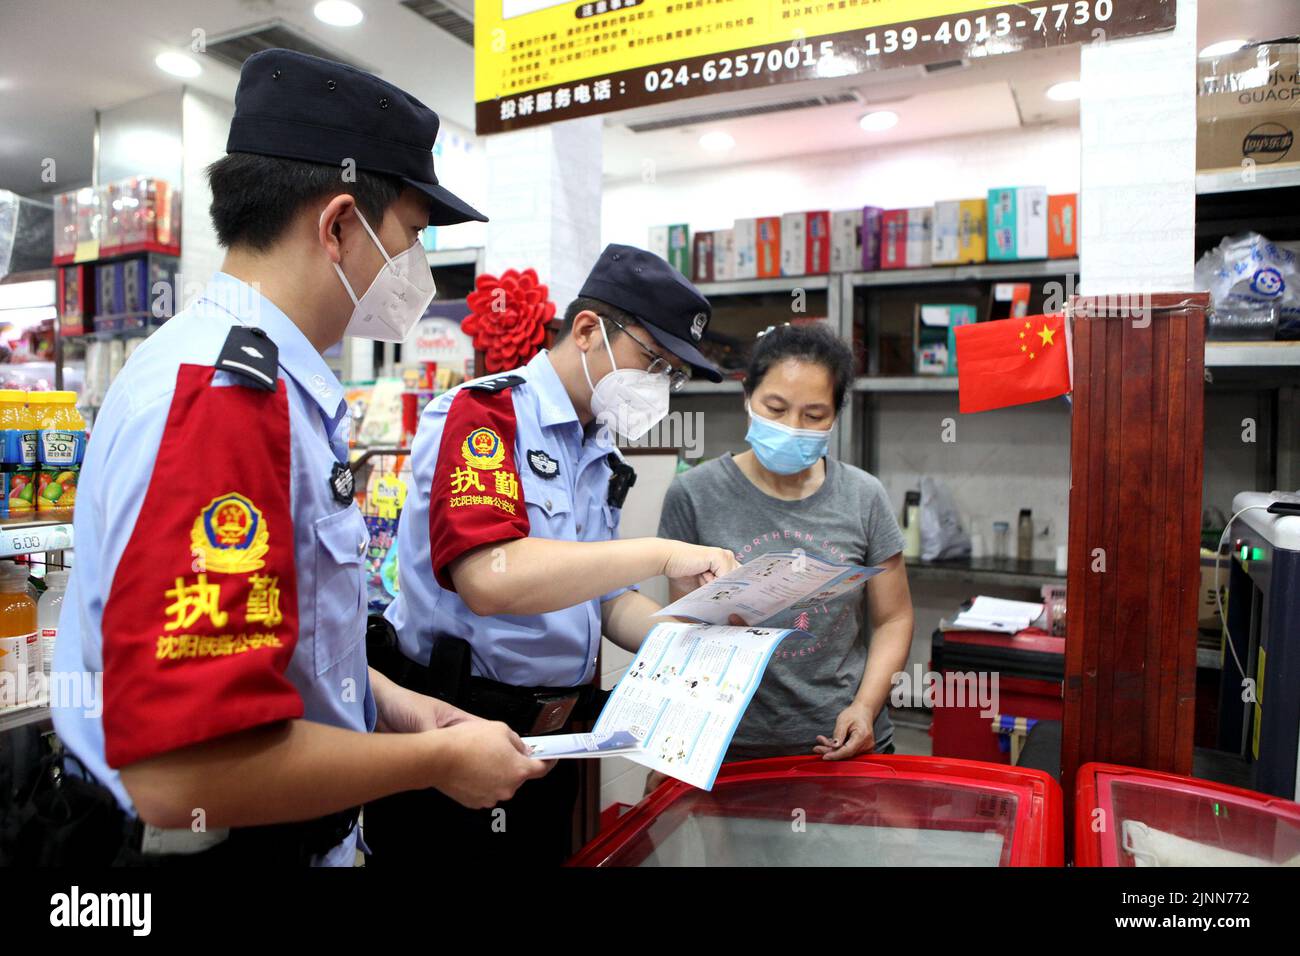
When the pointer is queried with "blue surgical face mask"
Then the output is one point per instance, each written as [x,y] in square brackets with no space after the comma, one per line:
[782,449]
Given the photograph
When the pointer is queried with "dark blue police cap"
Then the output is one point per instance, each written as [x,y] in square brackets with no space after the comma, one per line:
[302,107]
[662,299]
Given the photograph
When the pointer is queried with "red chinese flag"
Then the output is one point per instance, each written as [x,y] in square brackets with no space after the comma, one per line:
[1011,362]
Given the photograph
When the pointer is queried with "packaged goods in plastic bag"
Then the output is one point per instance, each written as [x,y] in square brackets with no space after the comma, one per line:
[942,536]
[1252,283]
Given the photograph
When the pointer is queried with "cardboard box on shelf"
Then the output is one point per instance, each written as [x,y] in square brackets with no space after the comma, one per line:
[702,267]
[767,249]
[659,241]
[1010,300]
[905,237]
[1063,226]
[870,239]
[960,232]
[793,240]
[679,248]
[846,240]
[76,299]
[805,243]
[1248,109]
[1017,219]
[817,239]
[724,255]
[934,338]
[746,241]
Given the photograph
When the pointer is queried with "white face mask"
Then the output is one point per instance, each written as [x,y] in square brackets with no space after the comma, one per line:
[396,299]
[630,401]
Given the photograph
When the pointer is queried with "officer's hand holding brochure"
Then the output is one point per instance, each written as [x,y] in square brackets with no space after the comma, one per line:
[681,698]
[768,585]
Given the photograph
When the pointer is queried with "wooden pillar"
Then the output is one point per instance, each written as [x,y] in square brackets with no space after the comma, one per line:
[1134,539]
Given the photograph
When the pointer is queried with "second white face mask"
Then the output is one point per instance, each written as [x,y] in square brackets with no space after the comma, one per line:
[631,401]
[403,289]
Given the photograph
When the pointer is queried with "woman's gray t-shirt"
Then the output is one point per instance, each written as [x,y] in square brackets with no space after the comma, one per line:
[812,677]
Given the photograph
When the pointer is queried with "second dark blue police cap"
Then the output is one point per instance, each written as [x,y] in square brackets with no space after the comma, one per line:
[303,107]
[662,299]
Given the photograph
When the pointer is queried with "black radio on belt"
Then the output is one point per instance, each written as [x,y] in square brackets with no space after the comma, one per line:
[623,477]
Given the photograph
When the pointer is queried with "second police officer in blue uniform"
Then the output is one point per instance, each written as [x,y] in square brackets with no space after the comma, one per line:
[509,559]
[218,583]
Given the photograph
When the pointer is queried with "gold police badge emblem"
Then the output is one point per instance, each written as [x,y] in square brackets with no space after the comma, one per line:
[483,449]
[230,535]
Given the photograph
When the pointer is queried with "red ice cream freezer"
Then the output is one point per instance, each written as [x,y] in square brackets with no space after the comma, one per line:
[879,810]
[1130,817]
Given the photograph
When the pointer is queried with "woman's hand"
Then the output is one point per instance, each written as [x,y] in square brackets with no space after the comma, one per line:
[652,781]
[853,734]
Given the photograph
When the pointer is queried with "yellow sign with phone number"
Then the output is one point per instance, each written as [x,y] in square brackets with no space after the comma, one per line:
[540,61]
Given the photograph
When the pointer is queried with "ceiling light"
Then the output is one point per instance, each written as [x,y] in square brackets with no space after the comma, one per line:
[717,141]
[338,13]
[1064,92]
[879,121]
[178,64]
[1223,48]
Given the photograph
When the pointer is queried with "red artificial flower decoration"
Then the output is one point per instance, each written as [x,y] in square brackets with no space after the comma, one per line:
[508,318]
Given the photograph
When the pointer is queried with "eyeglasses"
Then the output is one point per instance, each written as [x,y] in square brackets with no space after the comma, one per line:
[677,376]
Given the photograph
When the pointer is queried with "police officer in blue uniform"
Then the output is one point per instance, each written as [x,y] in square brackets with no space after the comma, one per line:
[218,584]
[508,553]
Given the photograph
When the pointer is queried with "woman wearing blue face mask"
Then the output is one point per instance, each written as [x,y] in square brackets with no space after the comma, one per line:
[825,691]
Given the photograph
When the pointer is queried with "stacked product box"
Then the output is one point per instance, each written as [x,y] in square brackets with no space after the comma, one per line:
[702,257]
[905,238]
[746,246]
[1017,219]
[872,221]
[846,240]
[140,213]
[960,232]
[805,243]
[679,248]
[724,254]
[76,299]
[767,246]
[935,338]
[673,245]
[135,293]
[1062,226]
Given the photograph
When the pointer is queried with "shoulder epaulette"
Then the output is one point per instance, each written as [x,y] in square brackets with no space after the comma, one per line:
[250,354]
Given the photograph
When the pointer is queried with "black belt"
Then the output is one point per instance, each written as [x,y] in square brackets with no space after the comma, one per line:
[530,711]
[526,710]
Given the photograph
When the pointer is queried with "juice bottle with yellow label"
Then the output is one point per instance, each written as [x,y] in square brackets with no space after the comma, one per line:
[61,444]
[17,455]
[20,680]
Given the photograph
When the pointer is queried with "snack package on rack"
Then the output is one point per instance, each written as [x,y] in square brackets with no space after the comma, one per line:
[1252,283]
[384,497]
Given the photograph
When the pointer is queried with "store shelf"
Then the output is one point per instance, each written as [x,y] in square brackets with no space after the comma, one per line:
[1231,180]
[1251,354]
[983,272]
[905,383]
[759,286]
[453,257]
[11,718]
[1007,572]
[728,386]
[28,535]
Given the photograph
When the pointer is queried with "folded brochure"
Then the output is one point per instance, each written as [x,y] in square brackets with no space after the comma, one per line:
[766,586]
[569,746]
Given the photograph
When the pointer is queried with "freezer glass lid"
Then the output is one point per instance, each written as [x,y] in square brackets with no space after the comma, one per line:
[1164,824]
[828,821]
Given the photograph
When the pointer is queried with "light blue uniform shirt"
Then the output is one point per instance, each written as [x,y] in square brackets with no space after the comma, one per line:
[556,649]
[328,667]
